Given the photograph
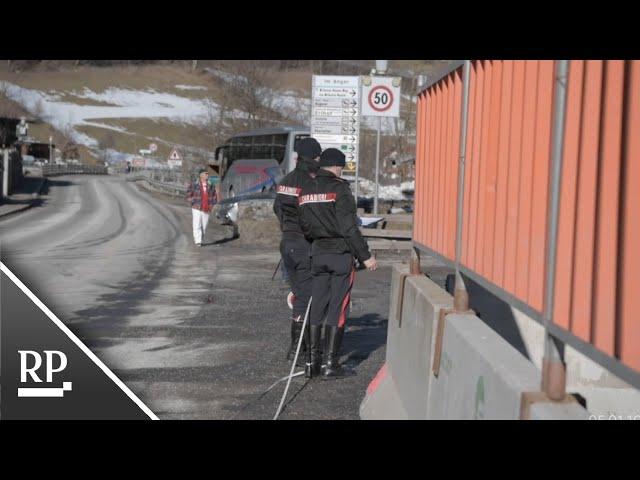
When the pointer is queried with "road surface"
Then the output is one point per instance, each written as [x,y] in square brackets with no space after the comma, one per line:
[196,333]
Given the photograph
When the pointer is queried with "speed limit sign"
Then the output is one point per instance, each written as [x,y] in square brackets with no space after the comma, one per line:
[381,97]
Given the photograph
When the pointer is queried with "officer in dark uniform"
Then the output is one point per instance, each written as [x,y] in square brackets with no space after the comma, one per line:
[294,247]
[328,217]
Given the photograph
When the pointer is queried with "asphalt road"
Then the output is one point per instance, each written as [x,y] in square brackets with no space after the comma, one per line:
[196,333]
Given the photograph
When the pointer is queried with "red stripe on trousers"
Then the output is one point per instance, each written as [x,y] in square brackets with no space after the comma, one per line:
[345,302]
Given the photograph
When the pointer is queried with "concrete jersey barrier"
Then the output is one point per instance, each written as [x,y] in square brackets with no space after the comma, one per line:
[481,376]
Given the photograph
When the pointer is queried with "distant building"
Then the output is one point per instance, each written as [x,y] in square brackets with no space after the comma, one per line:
[37,150]
[8,136]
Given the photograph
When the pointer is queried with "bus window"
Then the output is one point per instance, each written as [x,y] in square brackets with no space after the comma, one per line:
[243,149]
[233,151]
[261,147]
[223,159]
[279,146]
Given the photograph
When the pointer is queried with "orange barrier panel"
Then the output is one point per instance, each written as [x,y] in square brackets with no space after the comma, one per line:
[437,155]
[504,233]
[604,303]
[628,331]
[506,189]
[598,258]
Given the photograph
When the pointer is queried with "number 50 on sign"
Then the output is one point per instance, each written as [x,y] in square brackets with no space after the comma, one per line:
[381,97]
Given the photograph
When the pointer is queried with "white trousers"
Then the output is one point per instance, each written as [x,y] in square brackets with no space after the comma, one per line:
[200,220]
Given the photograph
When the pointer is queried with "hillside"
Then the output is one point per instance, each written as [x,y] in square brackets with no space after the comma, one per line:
[113,111]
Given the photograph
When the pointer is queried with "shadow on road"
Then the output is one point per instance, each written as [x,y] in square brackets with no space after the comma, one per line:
[364,334]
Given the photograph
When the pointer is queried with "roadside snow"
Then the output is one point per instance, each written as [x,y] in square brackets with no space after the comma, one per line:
[366,188]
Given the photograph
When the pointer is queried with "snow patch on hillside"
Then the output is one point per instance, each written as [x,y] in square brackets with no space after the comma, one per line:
[57,109]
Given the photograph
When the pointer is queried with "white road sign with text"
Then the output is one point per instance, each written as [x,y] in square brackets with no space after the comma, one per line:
[335,115]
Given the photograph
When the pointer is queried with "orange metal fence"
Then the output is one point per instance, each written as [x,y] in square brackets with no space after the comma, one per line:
[437,129]
[506,190]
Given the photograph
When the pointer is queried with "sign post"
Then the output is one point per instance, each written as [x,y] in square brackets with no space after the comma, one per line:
[335,117]
[381,99]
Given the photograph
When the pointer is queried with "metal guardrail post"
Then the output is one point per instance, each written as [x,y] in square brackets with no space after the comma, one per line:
[553,367]
[461,297]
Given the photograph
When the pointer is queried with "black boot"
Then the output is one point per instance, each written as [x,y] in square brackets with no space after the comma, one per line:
[302,356]
[333,341]
[315,358]
[296,331]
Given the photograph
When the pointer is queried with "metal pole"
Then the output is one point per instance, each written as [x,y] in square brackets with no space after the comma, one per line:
[553,371]
[356,186]
[5,173]
[461,297]
[375,198]
[358,146]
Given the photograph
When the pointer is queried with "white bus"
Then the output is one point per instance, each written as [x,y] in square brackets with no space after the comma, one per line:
[253,162]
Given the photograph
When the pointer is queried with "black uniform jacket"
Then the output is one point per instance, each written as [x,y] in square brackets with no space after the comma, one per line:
[285,205]
[328,216]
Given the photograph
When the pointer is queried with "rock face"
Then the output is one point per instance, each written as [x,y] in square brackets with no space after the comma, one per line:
[257,224]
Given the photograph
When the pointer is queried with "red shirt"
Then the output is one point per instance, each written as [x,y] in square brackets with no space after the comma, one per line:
[205,197]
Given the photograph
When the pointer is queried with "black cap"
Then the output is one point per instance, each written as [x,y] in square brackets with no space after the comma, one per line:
[332,157]
[202,170]
[308,148]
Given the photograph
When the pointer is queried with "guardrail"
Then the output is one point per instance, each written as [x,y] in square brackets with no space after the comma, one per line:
[180,190]
[54,170]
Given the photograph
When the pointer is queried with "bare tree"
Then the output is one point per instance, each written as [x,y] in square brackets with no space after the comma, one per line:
[405,126]
[107,143]
[298,110]
[252,87]
[69,148]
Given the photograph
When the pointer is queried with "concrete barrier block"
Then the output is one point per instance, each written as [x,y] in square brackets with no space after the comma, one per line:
[411,354]
[410,342]
[481,375]
[552,411]
[382,401]
[396,273]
